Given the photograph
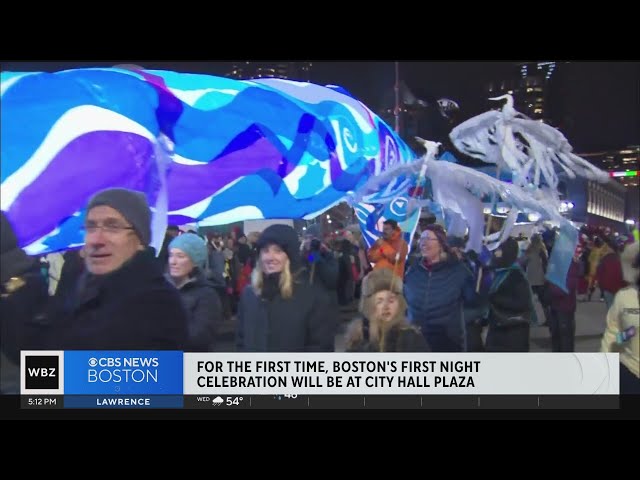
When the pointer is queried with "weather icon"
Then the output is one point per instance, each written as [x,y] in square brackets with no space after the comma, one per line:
[217,401]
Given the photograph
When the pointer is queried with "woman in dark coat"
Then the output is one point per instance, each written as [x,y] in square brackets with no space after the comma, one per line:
[281,311]
[510,302]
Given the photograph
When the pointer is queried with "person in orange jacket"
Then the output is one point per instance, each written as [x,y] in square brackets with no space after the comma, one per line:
[391,250]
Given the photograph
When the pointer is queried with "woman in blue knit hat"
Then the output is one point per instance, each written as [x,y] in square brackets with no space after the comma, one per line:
[187,262]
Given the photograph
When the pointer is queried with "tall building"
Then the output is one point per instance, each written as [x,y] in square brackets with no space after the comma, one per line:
[610,204]
[596,204]
[532,88]
[300,71]
[623,165]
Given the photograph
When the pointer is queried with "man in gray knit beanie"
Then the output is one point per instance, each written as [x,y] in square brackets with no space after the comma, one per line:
[118,225]
[122,301]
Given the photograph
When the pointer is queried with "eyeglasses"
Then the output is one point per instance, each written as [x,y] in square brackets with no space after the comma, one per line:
[108,228]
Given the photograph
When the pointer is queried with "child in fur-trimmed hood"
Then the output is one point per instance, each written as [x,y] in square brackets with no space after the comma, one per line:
[382,326]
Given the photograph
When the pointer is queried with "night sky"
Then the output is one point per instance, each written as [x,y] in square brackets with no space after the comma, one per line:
[600,106]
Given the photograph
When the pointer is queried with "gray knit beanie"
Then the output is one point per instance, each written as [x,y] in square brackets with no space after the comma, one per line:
[131,204]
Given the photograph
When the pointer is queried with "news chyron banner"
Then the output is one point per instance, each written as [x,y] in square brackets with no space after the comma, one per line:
[102,379]
[175,380]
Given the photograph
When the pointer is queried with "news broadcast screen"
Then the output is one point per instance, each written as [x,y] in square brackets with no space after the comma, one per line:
[207,238]
[219,381]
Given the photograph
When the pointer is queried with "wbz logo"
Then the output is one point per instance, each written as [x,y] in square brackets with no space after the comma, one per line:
[42,372]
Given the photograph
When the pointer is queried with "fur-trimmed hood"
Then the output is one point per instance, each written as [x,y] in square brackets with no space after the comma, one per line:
[379,281]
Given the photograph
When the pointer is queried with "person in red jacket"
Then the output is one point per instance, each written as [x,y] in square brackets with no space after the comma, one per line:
[391,250]
[609,273]
[562,308]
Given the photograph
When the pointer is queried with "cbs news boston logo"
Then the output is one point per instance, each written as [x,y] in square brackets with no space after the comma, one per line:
[101,373]
[42,372]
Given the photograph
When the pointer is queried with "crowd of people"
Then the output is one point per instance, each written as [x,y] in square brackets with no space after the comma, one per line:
[283,291]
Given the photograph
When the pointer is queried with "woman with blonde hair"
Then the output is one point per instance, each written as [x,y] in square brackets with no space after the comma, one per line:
[383,326]
[281,311]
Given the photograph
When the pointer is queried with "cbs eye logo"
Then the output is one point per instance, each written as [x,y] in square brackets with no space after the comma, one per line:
[93,362]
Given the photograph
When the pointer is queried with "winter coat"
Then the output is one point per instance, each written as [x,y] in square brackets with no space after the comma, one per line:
[391,254]
[609,273]
[510,294]
[132,308]
[204,310]
[302,323]
[397,339]
[561,301]
[436,297]
[536,265]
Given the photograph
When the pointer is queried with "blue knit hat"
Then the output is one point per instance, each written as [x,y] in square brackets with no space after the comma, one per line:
[192,245]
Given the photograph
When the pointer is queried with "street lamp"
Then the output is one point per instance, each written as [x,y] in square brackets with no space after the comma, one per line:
[396,110]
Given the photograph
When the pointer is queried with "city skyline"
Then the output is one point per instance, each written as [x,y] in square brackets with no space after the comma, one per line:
[600,100]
